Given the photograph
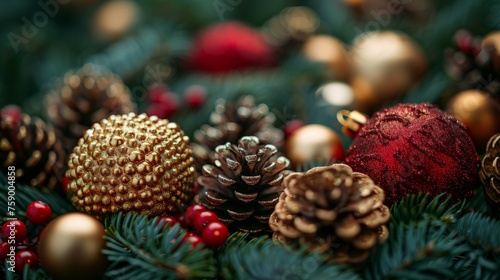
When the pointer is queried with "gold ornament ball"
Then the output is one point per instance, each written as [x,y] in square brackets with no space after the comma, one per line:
[479,113]
[492,39]
[313,142]
[71,247]
[131,163]
[115,18]
[390,61]
[330,51]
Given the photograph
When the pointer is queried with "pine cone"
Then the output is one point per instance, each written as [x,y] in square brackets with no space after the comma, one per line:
[490,174]
[231,122]
[331,209]
[32,148]
[131,163]
[86,97]
[474,66]
[243,186]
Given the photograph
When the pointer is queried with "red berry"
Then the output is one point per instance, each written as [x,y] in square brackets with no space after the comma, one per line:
[167,107]
[195,96]
[4,250]
[15,229]
[156,92]
[64,183]
[167,220]
[182,221]
[292,126]
[39,212]
[12,112]
[215,234]
[193,239]
[203,218]
[191,211]
[25,257]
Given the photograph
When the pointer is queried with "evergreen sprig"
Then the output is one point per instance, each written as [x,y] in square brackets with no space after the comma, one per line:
[261,258]
[415,208]
[139,248]
[472,226]
[415,251]
[24,195]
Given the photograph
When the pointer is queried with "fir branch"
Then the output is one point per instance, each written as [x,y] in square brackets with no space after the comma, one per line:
[138,248]
[24,195]
[480,230]
[415,251]
[28,273]
[415,208]
[478,265]
[261,258]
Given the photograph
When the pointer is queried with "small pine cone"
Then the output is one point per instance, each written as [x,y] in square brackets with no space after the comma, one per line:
[490,174]
[86,97]
[233,121]
[131,163]
[33,149]
[332,210]
[243,185]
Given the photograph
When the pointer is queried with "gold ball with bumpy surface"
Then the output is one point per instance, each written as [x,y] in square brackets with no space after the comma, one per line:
[131,163]
[70,247]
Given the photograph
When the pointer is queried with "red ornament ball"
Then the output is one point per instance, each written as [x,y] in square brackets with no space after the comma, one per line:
[39,213]
[215,234]
[25,257]
[413,148]
[16,229]
[230,46]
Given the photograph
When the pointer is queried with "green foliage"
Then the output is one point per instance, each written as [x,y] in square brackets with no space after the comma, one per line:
[138,248]
[28,274]
[415,251]
[25,194]
[480,230]
[415,208]
[261,258]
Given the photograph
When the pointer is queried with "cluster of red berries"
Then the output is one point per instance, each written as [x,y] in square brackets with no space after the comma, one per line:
[15,247]
[203,225]
[164,104]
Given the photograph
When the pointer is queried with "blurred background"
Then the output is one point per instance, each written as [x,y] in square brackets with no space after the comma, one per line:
[306,60]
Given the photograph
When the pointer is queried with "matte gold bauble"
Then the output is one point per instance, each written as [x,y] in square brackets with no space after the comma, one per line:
[479,113]
[492,39]
[313,142]
[115,18]
[391,62]
[330,51]
[71,248]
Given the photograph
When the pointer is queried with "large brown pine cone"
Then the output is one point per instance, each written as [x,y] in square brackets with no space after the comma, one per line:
[230,123]
[490,173]
[31,146]
[86,96]
[243,186]
[332,210]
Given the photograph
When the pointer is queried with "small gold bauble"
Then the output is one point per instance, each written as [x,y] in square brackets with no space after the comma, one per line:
[479,113]
[131,163]
[391,62]
[330,51]
[115,19]
[313,142]
[71,248]
[492,39]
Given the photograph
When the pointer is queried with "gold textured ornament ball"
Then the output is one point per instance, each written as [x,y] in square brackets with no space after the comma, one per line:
[390,61]
[131,163]
[71,247]
[313,142]
[479,113]
[330,51]
[115,18]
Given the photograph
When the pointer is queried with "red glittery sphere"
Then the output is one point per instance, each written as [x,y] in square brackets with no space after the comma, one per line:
[230,46]
[413,148]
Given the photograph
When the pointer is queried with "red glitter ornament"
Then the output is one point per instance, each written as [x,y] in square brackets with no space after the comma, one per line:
[413,148]
[230,46]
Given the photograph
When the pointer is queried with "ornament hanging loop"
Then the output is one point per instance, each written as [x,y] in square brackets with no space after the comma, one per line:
[351,121]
